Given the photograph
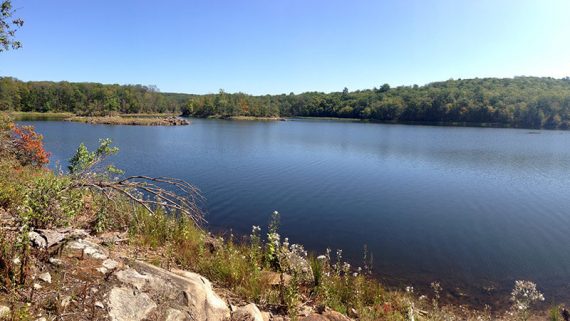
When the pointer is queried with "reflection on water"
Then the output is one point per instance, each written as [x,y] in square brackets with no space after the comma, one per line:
[472,207]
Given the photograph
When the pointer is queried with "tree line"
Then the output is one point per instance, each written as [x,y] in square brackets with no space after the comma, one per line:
[528,102]
[85,98]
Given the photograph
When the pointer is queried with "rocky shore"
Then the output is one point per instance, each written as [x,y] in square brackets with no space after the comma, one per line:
[85,277]
[134,121]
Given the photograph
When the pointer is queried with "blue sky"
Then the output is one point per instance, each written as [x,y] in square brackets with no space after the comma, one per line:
[282,46]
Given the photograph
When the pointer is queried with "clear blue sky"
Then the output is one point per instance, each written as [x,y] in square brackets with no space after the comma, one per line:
[282,46]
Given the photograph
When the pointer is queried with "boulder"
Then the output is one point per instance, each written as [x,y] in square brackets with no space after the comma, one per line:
[133,278]
[46,277]
[191,291]
[128,305]
[249,312]
[45,238]
[88,248]
[37,240]
[108,265]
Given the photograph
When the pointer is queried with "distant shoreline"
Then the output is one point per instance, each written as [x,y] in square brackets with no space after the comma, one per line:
[158,119]
[122,119]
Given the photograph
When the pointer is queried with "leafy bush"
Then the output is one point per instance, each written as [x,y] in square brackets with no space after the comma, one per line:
[83,160]
[50,202]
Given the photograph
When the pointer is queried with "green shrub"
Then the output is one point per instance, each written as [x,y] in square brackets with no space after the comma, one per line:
[50,202]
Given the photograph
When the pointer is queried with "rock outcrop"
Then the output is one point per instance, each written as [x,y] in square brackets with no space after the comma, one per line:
[182,290]
[126,304]
[105,283]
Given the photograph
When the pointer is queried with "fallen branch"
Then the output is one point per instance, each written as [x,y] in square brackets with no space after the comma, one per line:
[182,198]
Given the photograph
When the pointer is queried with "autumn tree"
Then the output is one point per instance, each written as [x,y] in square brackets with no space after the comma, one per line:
[28,146]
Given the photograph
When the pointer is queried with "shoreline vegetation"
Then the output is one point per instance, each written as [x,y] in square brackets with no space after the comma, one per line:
[260,118]
[264,268]
[170,119]
[520,102]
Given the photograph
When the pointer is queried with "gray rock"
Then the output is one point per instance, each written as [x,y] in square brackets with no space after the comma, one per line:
[249,312]
[88,248]
[195,291]
[127,305]
[102,270]
[52,237]
[46,277]
[175,315]
[110,264]
[37,240]
[56,262]
[44,238]
[132,277]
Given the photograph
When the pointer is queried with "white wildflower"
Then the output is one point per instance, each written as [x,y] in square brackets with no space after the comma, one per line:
[524,294]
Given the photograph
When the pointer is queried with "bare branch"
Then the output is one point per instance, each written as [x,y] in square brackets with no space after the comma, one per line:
[178,196]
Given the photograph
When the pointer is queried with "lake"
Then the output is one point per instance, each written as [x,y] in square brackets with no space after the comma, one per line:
[473,208]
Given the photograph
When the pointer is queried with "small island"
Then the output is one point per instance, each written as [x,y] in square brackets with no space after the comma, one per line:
[133,121]
[109,119]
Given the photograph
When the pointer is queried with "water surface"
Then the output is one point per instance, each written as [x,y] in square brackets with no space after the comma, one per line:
[471,207]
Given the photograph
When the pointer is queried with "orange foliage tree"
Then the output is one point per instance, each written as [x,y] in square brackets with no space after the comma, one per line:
[29,147]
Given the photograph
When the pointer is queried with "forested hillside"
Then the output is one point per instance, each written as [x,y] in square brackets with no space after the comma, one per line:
[528,102]
[85,98]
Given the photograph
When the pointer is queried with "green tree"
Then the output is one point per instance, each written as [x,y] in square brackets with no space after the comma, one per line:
[8,27]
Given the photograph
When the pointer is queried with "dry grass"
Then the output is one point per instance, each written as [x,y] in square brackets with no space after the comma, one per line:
[20,115]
